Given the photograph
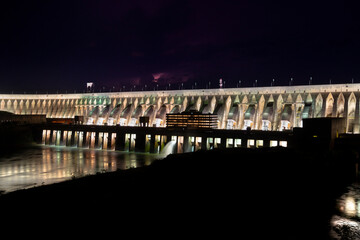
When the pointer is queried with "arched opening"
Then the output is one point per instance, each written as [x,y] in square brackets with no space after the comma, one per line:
[340,106]
[104,113]
[125,115]
[175,109]
[329,106]
[93,115]
[267,116]
[249,117]
[160,116]
[134,121]
[113,115]
[286,117]
[233,117]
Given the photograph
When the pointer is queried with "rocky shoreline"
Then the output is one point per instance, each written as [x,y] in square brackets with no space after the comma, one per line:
[264,192]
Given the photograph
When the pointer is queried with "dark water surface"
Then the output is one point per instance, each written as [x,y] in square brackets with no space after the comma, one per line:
[49,164]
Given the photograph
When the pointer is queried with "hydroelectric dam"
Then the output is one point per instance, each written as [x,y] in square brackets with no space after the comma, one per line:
[111,120]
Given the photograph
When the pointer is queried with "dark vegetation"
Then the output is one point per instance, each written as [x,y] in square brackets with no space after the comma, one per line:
[14,137]
[259,193]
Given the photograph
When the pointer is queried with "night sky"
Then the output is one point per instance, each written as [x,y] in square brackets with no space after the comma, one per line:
[60,45]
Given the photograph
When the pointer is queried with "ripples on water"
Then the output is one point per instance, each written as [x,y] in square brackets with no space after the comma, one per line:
[49,164]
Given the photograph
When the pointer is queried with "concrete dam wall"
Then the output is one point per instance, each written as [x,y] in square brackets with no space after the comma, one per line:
[262,108]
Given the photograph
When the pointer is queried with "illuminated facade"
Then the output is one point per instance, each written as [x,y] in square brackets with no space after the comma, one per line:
[262,108]
[191,119]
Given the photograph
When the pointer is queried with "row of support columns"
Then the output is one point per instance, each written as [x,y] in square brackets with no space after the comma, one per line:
[102,140]
[153,143]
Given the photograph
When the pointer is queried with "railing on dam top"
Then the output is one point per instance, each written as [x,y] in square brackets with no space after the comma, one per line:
[264,108]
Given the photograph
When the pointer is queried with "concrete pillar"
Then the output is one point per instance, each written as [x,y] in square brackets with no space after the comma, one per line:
[61,138]
[163,141]
[346,116]
[244,141]
[85,140]
[80,139]
[48,139]
[203,143]
[96,140]
[186,143]
[120,141]
[223,143]
[266,143]
[152,143]
[109,140]
[140,142]
[168,139]
[357,119]
[72,138]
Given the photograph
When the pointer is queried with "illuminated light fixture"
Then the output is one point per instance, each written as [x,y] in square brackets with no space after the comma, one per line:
[350,206]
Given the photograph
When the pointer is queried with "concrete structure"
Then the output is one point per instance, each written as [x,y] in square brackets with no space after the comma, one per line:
[263,108]
[156,140]
[6,117]
[191,119]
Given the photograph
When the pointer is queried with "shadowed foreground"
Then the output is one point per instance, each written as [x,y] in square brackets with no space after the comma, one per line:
[277,193]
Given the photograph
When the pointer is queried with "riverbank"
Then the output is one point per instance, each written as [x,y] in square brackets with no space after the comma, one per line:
[262,192]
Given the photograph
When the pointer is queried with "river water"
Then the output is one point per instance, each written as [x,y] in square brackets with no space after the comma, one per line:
[49,164]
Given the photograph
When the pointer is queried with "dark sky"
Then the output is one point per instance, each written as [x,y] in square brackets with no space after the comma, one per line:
[60,45]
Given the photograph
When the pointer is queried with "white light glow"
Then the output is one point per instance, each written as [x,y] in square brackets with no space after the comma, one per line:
[122,122]
[100,121]
[158,122]
[350,206]
[230,124]
[247,123]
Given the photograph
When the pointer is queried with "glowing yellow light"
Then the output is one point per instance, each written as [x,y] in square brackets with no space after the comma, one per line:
[350,206]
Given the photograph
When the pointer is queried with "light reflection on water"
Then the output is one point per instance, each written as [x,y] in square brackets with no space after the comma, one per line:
[346,222]
[348,204]
[49,164]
